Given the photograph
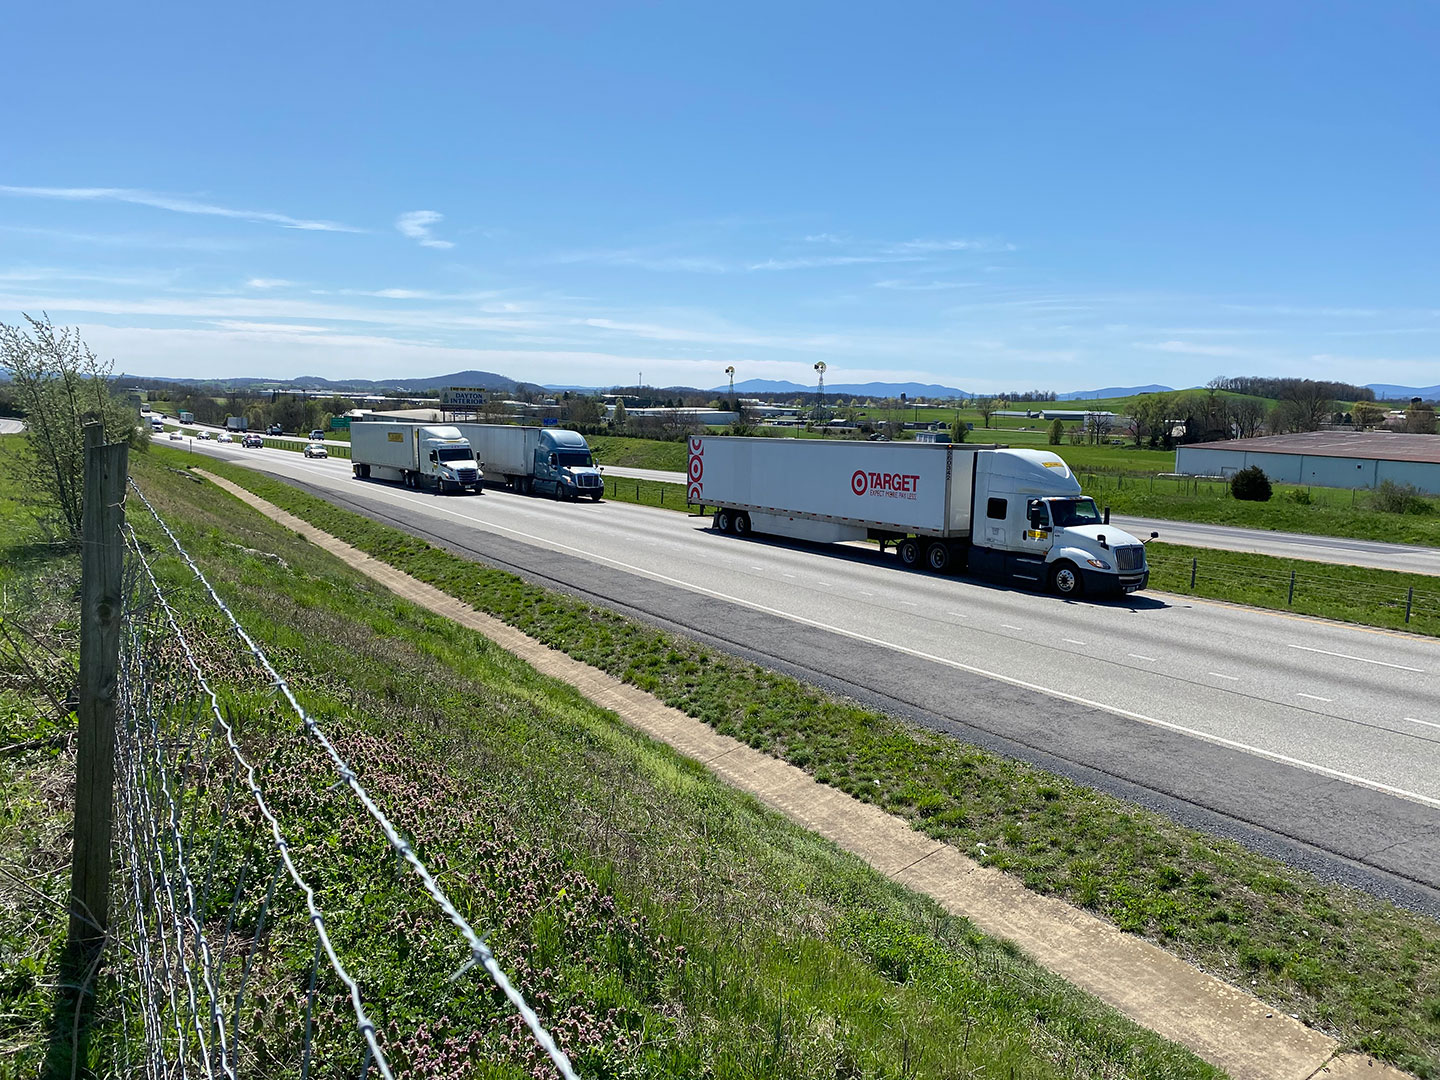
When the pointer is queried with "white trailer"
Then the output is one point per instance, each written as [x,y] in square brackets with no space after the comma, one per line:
[1011,513]
[549,460]
[416,455]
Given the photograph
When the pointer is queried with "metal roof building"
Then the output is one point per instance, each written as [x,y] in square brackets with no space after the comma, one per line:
[1341,459]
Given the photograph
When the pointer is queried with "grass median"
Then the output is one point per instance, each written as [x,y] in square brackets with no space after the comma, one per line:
[1339,959]
[665,925]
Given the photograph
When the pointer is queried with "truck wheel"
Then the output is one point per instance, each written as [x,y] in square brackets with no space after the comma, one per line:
[723,520]
[909,552]
[742,524]
[937,557]
[596,495]
[1065,579]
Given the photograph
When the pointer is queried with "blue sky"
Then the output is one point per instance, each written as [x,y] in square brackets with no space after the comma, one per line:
[987,196]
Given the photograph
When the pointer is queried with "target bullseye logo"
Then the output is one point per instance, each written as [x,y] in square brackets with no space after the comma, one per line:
[860,482]
[697,467]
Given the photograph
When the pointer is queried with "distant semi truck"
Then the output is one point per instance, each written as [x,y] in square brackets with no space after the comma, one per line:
[236,423]
[546,461]
[416,455]
[1012,514]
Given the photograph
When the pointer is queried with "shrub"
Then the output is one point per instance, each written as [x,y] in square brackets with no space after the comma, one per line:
[1301,496]
[1057,431]
[1393,498]
[1251,484]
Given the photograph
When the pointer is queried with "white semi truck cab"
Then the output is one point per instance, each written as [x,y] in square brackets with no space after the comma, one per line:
[1008,513]
[417,455]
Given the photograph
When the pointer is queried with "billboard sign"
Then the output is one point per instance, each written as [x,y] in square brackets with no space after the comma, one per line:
[465,397]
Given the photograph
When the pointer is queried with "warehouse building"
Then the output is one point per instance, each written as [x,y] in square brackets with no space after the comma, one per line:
[1341,459]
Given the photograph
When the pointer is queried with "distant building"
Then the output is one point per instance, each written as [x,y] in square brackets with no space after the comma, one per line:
[1335,458]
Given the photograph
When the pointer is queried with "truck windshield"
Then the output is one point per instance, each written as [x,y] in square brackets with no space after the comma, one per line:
[455,453]
[1074,512]
[573,459]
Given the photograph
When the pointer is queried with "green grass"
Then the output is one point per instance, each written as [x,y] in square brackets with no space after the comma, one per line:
[664,925]
[1339,959]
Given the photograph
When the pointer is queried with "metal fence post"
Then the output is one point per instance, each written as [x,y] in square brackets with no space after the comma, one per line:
[1409,602]
[1193,564]
[1290,600]
[101,602]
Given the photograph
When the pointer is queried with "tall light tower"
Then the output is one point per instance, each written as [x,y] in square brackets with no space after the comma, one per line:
[820,367]
[731,372]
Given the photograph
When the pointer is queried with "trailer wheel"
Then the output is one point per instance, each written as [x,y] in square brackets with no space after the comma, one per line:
[1065,579]
[937,556]
[722,520]
[909,552]
[742,524]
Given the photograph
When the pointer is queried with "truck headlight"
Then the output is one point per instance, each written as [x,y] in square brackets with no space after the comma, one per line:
[1099,564]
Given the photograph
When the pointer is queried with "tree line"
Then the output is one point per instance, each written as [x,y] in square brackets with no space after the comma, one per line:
[1274,387]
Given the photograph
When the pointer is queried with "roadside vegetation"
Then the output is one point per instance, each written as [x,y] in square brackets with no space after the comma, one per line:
[663,924]
[1340,960]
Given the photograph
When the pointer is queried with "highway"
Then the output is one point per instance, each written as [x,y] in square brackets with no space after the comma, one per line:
[1313,740]
[1327,549]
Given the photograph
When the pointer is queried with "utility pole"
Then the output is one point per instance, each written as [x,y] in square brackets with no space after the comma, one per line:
[820,408]
[101,601]
[731,372]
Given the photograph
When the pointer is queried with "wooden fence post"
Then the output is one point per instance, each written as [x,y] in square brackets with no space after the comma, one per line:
[101,602]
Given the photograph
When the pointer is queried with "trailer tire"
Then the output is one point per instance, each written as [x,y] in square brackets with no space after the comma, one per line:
[909,552]
[937,556]
[1066,580]
[742,524]
[722,520]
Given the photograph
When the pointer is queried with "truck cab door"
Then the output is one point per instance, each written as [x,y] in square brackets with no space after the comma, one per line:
[1038,534]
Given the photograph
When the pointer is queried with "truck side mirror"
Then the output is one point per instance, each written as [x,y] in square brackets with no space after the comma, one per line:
[1100,539]
[1107,515]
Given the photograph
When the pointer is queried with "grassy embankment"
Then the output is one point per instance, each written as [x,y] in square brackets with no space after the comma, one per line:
[1340,960]
[664,925]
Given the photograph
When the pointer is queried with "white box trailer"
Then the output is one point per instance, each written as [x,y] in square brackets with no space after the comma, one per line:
[548,460]
[1012,513]
[416,455]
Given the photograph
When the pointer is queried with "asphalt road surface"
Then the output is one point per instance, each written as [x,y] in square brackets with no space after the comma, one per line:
[1326,549]
[1315,741]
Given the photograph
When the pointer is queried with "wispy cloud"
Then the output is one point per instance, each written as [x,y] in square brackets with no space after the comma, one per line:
[934,246]
[813,262]
[826,238]
[177,204]
[1306,312]
[1192,348]
[268,283]
[644,259]
[923,286]
[416,225]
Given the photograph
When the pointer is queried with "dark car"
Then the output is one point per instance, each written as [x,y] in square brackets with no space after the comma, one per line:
[317,434]
[275,429]
[251,441]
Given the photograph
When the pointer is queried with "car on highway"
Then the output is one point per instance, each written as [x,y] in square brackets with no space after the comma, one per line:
[175,436]
[316,449]
[205,435]
[317,434]
[225,436]
[275,429]
[252,441]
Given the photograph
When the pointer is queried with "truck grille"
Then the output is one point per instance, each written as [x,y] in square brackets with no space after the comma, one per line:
[1130,557]
[467,476]
[587,480]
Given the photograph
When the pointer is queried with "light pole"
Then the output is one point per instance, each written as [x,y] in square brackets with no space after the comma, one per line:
[731,372]
[820,408]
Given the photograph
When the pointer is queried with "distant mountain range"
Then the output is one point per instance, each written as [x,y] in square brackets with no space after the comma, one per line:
[484,380]
[1114,392]
[1391,392]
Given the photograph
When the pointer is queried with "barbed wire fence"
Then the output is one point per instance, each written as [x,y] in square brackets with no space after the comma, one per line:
[209,889]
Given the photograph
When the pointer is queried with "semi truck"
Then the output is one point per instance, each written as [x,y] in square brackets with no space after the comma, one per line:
[1008,513]
[548,461]
[417,455]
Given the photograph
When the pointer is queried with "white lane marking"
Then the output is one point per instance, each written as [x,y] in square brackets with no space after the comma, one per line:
[551,543]
[1137,656]
[1363,660]
[1072,641]
[1232,678]
[958,614]
[1007,626]
[1427,723]
[782,575]
[864,593]
[760,568]
[909,603]
[1313,697]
